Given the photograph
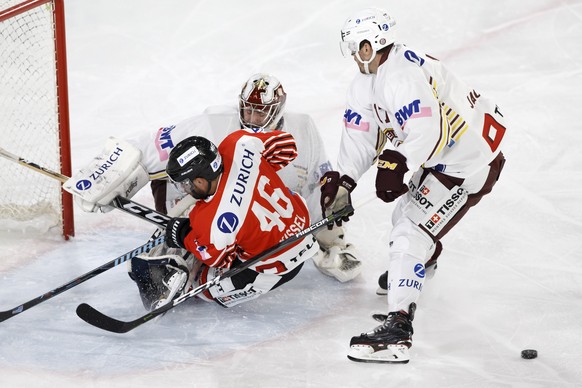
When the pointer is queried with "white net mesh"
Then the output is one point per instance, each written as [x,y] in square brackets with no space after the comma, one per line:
[28,119]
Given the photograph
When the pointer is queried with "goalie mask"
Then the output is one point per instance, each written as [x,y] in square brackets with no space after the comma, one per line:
[194,157]
[261,102]
[373,25]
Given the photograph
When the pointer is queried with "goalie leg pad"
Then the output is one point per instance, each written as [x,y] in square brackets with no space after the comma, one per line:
[336,258]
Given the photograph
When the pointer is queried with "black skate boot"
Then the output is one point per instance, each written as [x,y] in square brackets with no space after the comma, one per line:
[387,343]
[159,280]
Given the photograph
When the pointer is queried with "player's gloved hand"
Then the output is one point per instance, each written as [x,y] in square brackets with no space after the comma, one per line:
[176,231]
[390,176]
[336,194]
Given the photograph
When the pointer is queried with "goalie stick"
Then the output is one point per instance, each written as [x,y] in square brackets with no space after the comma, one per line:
[121,203]
[155,240]
[105,322]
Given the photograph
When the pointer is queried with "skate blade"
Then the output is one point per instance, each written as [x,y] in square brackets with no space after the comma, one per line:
[393,354]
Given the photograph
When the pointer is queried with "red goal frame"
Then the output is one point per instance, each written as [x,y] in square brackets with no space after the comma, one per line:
[61,94]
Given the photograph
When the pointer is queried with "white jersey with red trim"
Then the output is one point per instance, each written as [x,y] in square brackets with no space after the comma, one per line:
[252,210]
[430,116]
[302,175]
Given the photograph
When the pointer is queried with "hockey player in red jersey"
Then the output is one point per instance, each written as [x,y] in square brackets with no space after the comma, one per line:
[261,108]
[242,209]
[144,159]
[445,155]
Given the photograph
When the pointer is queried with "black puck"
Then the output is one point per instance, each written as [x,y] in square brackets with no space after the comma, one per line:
[528,354]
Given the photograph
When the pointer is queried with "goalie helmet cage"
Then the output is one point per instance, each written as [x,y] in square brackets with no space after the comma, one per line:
[34,118]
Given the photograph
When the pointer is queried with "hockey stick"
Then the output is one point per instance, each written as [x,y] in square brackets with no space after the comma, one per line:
[102,321]
[121,203]
[152,242]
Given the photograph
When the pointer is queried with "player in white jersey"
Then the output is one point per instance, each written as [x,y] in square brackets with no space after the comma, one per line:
[445,142]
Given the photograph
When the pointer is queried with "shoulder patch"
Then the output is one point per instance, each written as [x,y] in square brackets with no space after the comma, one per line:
[413,57]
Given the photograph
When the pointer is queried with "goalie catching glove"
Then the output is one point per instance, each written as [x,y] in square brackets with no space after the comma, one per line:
[336,195]
[116,171]
[390,176]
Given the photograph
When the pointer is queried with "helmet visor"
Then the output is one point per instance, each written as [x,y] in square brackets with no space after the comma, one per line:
[184,187]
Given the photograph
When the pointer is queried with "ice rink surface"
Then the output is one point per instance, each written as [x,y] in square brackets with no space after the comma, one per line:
[510,276]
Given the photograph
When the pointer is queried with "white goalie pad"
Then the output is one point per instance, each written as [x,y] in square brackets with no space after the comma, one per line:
[431,204]
[336,258]
[116,171]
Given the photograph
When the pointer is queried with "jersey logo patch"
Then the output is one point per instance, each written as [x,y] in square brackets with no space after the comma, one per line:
[164,142]
[419,270]
[412,111]
[354,120]
[412,57]
[227,222]
[203,253]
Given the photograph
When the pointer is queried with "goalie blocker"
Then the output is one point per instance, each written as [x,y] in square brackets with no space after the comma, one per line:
[116,171]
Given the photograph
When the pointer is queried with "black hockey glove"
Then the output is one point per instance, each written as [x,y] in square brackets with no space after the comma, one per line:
[176,231]
[390,176]
[336,194]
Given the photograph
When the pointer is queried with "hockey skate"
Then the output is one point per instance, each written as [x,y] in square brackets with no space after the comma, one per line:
[173,284]
[159,279]
[387,343]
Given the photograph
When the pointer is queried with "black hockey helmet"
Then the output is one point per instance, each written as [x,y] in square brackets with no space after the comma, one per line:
[193,157]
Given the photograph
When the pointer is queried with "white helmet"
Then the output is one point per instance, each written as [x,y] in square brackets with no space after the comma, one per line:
[371,24]
[261,102]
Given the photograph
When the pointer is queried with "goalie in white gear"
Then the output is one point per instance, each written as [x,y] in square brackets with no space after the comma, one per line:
[261,108]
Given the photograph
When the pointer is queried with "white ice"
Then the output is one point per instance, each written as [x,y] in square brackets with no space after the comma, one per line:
[509,278]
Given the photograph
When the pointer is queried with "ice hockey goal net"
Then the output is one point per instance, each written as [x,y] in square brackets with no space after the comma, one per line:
[34,117]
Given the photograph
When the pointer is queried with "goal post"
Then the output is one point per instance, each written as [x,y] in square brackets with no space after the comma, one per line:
[34,115]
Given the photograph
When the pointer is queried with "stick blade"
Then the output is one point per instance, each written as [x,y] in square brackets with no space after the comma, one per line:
[102,321]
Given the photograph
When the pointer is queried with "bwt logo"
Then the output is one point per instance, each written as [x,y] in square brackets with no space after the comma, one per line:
[83,185]
[354,120]
[165,137]
[412,111]
[227,222]
[164,142]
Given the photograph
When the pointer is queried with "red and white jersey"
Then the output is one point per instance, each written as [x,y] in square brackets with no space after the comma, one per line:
[430,116]
[252,210]
[302,175]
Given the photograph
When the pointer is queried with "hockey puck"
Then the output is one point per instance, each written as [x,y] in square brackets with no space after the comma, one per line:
[528,354]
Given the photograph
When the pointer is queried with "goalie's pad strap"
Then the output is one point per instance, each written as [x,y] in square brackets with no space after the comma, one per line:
[116,171]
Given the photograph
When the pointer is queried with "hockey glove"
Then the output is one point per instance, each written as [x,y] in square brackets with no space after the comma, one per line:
[390,176]
[117,170]
[176,231]
[336,194]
